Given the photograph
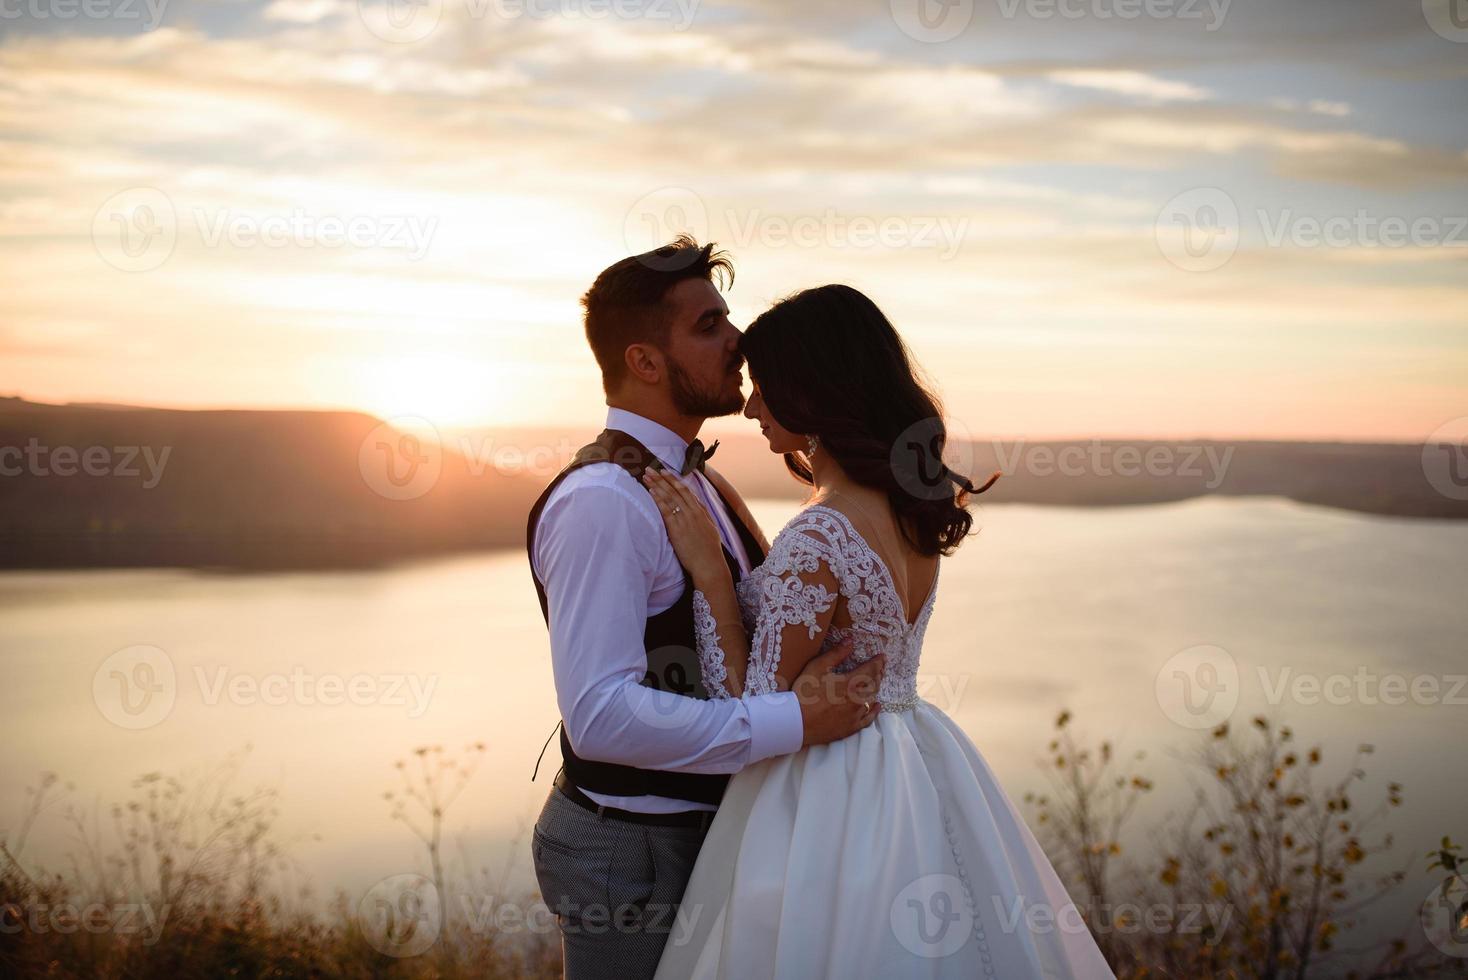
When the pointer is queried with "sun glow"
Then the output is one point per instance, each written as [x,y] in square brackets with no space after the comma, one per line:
[441,389]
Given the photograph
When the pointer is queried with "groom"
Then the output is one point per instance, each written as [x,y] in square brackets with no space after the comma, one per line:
[645,755]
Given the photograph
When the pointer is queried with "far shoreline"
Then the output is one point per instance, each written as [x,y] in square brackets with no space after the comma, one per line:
[225,570]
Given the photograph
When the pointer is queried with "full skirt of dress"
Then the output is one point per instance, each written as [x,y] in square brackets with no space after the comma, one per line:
[891,854]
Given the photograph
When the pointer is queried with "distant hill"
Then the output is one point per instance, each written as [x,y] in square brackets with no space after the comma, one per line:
[267,489]
[1373,478]
[104,485]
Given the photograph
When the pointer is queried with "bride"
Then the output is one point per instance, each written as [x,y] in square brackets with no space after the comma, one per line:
[893,853]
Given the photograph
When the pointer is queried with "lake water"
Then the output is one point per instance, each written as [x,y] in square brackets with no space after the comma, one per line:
[1045,608]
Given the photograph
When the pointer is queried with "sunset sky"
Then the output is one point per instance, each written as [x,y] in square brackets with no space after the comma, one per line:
[1088,217]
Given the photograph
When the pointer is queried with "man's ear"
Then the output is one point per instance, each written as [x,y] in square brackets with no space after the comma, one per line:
[644,362]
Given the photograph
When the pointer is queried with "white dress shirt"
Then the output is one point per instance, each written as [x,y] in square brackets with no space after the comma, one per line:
[603,556]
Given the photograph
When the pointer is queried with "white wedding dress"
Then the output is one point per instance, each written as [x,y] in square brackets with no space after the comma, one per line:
[891,854]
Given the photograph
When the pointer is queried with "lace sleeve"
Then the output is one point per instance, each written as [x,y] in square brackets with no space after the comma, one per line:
[790,594]
[710,654]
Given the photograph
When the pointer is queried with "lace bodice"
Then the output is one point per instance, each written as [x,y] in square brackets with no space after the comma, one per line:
[778,594]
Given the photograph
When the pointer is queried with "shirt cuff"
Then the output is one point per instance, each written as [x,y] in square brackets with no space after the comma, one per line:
[776,726]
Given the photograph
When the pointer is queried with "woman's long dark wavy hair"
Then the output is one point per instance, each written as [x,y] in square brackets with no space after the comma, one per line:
[829,363]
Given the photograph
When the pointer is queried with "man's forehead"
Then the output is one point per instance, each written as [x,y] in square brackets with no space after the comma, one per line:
[692,298]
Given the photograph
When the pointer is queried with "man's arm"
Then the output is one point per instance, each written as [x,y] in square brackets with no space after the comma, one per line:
[595,550]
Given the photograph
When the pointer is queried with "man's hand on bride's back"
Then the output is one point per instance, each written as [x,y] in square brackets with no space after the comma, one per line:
[834,706]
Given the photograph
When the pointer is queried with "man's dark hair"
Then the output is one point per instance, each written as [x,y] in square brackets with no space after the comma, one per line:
[624,305]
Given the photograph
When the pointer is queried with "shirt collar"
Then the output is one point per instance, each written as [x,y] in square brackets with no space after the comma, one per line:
[660,440]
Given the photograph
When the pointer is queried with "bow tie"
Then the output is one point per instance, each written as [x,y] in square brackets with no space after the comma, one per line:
[694,458]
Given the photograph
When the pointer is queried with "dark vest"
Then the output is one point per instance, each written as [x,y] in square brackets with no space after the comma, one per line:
[668,640]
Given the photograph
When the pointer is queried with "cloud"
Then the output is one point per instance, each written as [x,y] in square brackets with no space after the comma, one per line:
[529,140]
[1327,108]
[1321,107]
[1138,84]
[302,11]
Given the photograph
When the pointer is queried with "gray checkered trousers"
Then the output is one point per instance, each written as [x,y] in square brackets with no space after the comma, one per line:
[613,885]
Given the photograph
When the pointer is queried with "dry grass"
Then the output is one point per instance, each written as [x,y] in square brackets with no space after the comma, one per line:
[188,879]
[1265,876]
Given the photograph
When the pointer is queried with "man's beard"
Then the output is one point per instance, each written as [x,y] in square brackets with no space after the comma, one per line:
[690,400]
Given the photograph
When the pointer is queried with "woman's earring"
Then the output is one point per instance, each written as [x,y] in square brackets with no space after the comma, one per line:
[811,442]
